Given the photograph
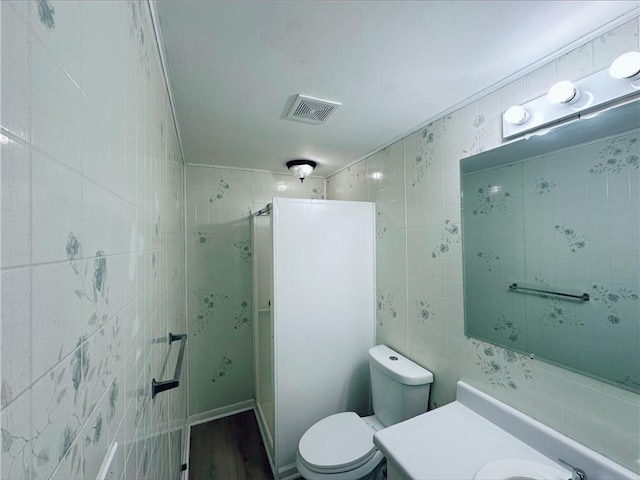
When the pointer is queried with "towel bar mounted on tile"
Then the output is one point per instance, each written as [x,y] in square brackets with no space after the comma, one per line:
[582,296]
[157,387]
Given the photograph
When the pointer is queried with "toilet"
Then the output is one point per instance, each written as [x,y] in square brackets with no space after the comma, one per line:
[340,446]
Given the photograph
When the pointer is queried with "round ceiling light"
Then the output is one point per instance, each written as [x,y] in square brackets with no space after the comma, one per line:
[301,168]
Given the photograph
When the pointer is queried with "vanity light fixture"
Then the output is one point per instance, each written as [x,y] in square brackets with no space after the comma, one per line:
[563,92]
[583,98]
[301,168]
[625,66]
[516,115]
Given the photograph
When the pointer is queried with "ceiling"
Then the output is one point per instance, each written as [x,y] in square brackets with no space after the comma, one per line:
[236,67]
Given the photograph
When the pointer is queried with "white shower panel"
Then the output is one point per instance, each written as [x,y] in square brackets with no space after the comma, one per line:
[324,313]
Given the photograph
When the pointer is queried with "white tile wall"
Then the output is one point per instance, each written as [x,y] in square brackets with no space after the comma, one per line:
[92,243]
[599,415]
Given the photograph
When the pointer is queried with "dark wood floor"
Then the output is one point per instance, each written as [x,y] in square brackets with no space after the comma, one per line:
[228,449]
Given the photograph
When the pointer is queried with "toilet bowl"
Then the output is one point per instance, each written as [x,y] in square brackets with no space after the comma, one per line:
[340,446]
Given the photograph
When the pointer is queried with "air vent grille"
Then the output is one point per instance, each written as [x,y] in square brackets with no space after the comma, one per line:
[312,110]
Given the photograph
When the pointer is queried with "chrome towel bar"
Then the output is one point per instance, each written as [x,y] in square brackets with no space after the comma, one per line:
[157,387]
[584,296]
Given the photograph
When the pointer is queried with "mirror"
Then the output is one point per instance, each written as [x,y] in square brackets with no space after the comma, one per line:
[551,246]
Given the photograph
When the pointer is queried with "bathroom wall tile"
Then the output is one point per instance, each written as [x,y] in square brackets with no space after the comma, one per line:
[391,299]
[68,469]
[539,81]
[15,208]
[16,455]
[576,64]
[22,8]
[57,308]
[95,440]
[469,122]
[55,24]
[489,114]
[98,219]
[417,207]
[131,207]
[614,43]
[352,182]
[389,162]
[590,430]
[57,413]
[56,104]
[311,188]
[16,80]
[95,371]
[514,93]
[56,203]
[451,140]
[548,408]
[16,332]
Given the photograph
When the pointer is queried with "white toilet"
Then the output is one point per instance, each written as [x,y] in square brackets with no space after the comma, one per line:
[340,447]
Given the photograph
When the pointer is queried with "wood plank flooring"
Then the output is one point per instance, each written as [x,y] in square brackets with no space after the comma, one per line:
[229,448]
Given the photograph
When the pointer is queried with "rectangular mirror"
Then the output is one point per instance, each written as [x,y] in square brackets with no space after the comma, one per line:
[551,245]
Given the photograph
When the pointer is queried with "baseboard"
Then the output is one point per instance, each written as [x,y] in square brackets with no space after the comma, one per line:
[221,412]
[265,435]
[288,472]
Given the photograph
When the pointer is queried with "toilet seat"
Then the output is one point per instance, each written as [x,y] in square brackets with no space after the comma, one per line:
[338,443]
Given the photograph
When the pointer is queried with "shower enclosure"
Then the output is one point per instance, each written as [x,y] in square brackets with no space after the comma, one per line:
[314,317]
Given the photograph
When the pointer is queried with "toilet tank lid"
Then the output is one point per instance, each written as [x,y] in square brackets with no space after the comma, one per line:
[398,367]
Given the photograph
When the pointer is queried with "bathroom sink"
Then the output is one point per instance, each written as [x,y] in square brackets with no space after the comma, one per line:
[520,469]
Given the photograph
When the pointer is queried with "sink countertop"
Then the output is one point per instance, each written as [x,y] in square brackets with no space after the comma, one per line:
[450,443]
[454,441]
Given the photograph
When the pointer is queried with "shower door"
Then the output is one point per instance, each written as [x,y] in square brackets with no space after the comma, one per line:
[263,327]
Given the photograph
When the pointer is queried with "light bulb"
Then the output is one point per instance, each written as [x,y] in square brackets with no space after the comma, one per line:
[301,168]
[625,66]
[303,171]
[516,115]
[563,92]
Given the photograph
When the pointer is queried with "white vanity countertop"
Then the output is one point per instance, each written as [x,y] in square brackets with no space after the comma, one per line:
[450,443]
[454,441]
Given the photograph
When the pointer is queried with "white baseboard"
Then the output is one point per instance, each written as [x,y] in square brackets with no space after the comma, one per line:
[265,435]
[288,472]
[221,412]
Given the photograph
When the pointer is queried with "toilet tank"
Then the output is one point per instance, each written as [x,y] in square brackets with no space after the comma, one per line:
[399,387]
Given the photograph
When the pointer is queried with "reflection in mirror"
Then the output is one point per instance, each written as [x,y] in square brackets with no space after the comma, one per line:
[552,246]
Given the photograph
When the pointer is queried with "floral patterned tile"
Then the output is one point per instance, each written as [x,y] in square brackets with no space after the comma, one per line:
[16,333]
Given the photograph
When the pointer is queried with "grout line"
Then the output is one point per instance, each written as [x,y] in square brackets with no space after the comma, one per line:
[406,243]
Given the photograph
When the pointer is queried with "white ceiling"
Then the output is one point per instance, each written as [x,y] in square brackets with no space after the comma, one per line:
[236,67]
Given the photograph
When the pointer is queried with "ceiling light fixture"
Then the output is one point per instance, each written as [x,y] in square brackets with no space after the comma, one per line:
[626,65]
[563,92]
[516,115]
[301,168]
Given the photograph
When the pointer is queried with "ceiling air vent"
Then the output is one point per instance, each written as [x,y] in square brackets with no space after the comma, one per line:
[312,110]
